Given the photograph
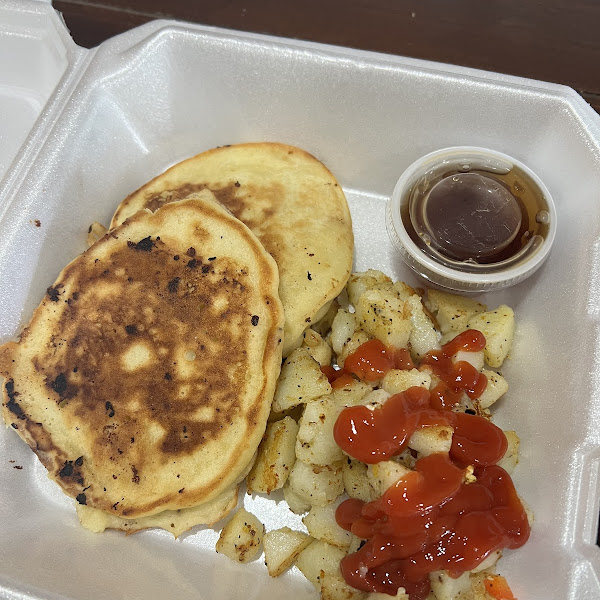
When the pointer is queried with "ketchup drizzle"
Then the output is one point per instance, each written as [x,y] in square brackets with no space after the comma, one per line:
[431,519]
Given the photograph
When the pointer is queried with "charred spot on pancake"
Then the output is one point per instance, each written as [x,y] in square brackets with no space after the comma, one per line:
[254,320]
[135,475]
[79,461]
[53,293]
[131,329]
[309,276]
[205,269]
[173,285]
[212,258]
[144,245]
[12,405]
[237,184]
[81,498]
[192,263]
[176,257]
[67,469]
[109,409]
[59,385]
[168,376]
[191,252]
[14,426]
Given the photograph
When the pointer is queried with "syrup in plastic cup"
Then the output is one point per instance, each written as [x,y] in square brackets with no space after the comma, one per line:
[471,219]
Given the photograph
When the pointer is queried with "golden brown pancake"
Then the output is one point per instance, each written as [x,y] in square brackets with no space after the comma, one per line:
[291,202]
[144,380]
[173,521]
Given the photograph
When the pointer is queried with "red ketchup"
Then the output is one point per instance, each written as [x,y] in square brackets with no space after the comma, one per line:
[431,519]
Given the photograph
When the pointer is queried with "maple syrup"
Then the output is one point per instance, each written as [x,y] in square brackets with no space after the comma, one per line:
[476,215]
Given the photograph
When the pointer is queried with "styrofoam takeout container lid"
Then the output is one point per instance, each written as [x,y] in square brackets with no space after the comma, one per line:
[108,119]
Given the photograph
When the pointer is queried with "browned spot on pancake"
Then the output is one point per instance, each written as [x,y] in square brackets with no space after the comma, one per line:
[185,355]
[254,205]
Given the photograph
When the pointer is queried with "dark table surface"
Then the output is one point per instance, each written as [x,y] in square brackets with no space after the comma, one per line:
[550,40]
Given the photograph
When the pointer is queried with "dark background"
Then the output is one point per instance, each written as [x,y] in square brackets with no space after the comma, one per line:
[551,40]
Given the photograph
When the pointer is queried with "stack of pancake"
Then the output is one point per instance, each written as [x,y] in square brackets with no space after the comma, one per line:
[145,378]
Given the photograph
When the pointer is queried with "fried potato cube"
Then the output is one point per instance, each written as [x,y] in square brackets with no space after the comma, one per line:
[488,562]
[351,394]
[356,480]
[317,485]
[403,290]
[334,587]
[429,440]
[95,232]
[282,547]
[384,316]
[400,595]
[317,347]
[314,443]
[385,474]
[300,381]
[397,380]
[449,588]
[241,538]
[276,457]
[296,504]
[452,312]
[496,387]
[321,524]
[323,325]
[511,457]
[476,359]
[342,329]
[423,336]
[498,327]
[358,283]
[319,559]
[359,337]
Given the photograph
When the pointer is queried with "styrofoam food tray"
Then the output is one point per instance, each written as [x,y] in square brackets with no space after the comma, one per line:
[140,102]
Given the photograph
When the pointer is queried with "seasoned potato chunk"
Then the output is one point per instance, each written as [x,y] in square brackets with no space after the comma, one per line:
[334,587]
[423,336]
[342,329]
[476,359]
[276,457]
[403,290]
[384,475]
[323,325]
[319,559]
[95,232]
[317,485]
[358,338]
[511,457]
[321,524]
[426,441]
[384,316]
[358,283]
[296,504]
[452,311]
[496,387]
[498,327]
[315,443]
[449,588]
[351,394]
[396,380]
[241,538]
[356,480]
[317,347]
[282,547]
[300,381]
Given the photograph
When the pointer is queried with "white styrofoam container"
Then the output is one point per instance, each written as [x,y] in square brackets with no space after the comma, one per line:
[113,117]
